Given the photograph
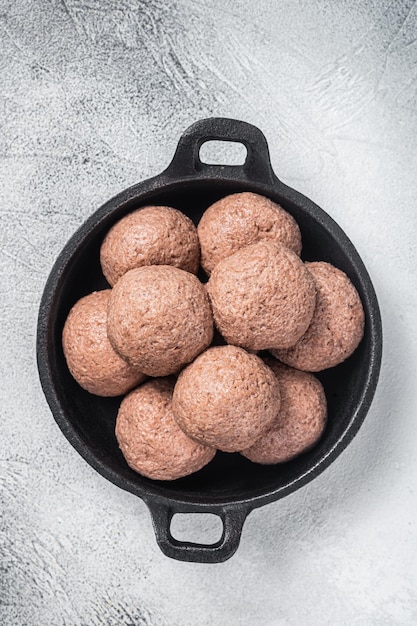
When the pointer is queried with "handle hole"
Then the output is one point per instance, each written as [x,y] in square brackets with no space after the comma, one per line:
[202,528]
[223,153]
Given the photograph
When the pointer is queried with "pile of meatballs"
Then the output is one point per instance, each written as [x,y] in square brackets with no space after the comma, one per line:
[222,365]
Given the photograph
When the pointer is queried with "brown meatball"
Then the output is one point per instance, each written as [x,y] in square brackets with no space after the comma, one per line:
[262,297]
[154,235]
[239,220]
[226,398]
[337,326]
[90,357]
[150,439]
[159,318]
[301,419]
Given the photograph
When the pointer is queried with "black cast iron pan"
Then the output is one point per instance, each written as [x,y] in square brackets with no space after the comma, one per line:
[230,486]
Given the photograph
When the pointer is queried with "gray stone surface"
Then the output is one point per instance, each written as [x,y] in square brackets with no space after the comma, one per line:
[93,97]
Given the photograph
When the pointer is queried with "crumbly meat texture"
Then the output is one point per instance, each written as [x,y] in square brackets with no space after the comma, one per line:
[153,235]
[241,219]
[337,326]
[262,297]
[159,319]
[301,419]
[150,439]
[90,357]
[226,398]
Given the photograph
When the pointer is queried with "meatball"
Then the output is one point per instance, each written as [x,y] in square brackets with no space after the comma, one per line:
[90,357]
[262,297]
[301,419]
[337,326]
[239,220]
[159,319]
[154,235]
[150,439]
[226,398]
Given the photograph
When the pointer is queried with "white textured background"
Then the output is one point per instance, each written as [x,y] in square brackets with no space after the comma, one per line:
[93,97]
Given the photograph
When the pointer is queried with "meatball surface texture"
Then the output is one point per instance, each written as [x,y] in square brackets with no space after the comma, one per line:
[226,398]
[337,326]
[90,357]
[159,319]
[301,419]
[239,220]
[153,235]
[262,297]
[150,439]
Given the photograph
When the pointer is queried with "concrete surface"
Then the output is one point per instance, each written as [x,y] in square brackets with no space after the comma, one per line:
[93,96]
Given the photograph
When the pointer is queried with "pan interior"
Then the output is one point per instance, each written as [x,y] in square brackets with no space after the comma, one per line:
[229,477]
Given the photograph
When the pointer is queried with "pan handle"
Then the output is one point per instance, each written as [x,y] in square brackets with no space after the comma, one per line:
[256,168]
[232,518]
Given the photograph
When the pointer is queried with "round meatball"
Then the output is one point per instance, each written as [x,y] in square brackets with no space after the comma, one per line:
[262,297]
[337,326]
[226,398]
[150,439]
[90,357]
[301,419]
[154,235]
[239,220]
[159,319]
